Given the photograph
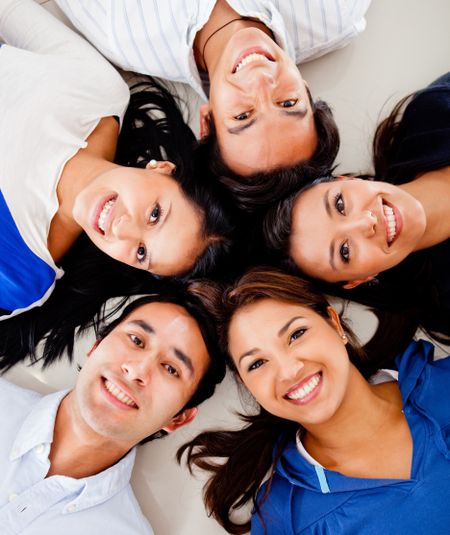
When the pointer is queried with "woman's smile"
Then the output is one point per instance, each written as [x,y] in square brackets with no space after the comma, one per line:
[305,391]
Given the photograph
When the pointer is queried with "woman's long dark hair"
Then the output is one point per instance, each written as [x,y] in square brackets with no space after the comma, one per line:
[249,452]
[250,193]
[153,128]
[407,296]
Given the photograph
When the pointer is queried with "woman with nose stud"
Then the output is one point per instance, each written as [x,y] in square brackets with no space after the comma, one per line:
[348,231]
[325,450]
[62,105]
[243,55]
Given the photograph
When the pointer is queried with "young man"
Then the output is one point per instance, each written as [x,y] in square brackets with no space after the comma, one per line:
[247,51]
[66,458]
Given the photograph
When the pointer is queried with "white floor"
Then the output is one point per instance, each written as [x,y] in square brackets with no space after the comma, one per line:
[405,46]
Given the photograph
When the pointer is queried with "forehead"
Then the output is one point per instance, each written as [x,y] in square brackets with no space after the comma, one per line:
[274,140]
[265,317]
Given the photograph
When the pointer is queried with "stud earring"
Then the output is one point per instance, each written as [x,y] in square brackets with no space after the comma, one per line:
[153,164]
[344,338]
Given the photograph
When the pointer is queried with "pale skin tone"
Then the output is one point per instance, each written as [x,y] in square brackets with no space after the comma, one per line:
[340,228]
[349,426]
[156,357]
[151,225]
[253,105]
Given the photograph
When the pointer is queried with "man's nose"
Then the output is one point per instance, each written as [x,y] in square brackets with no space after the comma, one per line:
[138,369]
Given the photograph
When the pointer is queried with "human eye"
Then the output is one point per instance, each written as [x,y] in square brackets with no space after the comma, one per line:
[255,365]
[136,340]
[344,251]
[296,334]
[155,214]
[339,203]
[171,370]
[242,116]
[141,253]
[290,103]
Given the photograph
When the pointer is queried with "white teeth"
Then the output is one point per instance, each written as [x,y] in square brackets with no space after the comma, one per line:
[306,389]
[117,393]
[391,223]
[249,59]
[104,214]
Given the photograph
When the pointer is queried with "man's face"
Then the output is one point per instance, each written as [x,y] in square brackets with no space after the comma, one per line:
[260,106]
[142,374]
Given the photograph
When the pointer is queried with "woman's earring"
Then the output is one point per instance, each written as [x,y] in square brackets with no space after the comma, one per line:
[344,338]
[153,164]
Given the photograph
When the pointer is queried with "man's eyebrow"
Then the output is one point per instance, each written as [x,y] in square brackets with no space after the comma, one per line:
[240,128]
[184,359]
[295,113]
[288,324]
[161,225]
[143,325]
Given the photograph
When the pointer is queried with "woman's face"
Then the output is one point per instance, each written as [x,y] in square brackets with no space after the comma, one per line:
[141,217]
[351,229]
[292,360]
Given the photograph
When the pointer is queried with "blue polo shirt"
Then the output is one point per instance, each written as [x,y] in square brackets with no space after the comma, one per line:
[308,499]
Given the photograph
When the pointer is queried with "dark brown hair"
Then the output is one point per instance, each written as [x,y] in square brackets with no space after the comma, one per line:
[249,452]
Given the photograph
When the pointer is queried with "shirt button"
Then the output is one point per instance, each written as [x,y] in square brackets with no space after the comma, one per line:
[12,497]
[71,508]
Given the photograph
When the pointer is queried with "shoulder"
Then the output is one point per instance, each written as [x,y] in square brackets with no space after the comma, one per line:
[124,515]
[15,404]
[424,381]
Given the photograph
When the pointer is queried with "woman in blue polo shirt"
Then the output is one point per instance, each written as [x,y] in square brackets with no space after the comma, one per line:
[328,452]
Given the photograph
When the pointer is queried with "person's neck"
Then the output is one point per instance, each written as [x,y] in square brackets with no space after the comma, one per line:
[215,34]
[432,190]
[362,420]
[77,451]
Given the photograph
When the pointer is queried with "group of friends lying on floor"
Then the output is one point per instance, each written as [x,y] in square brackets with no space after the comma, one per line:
[231,243]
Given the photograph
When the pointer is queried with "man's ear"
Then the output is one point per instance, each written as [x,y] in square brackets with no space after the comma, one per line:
[353,284]
[204,120]
[181,419]
[335,320]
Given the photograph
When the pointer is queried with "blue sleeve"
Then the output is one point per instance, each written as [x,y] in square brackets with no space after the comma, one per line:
[425,382]
[274,516]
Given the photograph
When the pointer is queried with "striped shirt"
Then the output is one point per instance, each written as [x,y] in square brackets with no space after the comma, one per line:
[156,37]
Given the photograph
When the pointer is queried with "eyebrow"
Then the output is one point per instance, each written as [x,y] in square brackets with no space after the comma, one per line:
[288,324]
[187,361]
[327,204]
[149,265]
[241,128]
[283,329]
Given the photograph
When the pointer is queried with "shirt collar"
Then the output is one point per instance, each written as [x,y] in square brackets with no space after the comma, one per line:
[38,428]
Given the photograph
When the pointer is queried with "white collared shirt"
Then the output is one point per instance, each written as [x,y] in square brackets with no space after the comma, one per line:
[156,37]
[30,503]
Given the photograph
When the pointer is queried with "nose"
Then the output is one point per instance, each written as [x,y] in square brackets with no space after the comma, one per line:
[139,369]
[260,80]
[289,369]
[124,228]
[365,223]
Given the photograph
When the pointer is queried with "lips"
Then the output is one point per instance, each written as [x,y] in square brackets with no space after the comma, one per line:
[392,222]
[102,214]
[118,395]
[306,390]
[255,53]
